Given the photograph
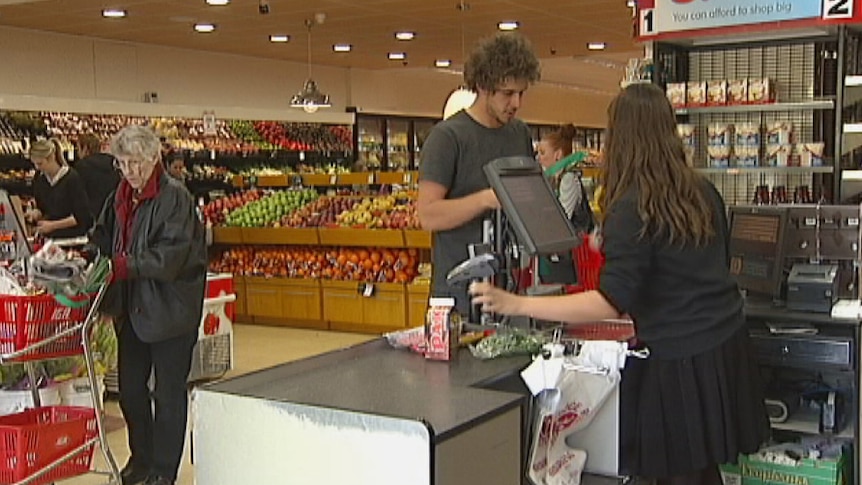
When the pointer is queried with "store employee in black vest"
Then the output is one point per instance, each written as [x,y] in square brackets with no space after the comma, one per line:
[63,208]
[454,195]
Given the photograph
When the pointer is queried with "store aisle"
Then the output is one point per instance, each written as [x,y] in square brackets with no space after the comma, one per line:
[255,348]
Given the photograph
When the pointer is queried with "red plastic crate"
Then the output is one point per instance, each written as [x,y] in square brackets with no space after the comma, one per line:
[27,320]
[588,262]
[32,439]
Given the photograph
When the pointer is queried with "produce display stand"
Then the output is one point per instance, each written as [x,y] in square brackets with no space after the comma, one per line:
[46,444]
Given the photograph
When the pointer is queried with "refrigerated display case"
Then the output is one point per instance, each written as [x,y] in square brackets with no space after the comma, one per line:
[391,143]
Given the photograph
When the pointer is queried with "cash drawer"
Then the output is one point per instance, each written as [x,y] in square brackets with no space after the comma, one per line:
[804,351]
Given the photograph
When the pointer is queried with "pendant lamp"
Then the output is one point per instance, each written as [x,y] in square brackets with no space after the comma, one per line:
[310,99]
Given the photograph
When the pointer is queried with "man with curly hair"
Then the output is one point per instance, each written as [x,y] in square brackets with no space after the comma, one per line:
[454,195]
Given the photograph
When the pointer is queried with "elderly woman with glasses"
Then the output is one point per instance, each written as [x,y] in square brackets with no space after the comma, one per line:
[156,297]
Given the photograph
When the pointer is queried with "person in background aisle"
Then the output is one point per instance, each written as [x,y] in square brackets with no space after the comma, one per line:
[156,299]
[697,401]
[454,194]
[176,165]
[96,168]
[62,206]
[554,153]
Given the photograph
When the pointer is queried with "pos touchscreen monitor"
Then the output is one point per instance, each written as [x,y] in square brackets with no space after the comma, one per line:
[530,205]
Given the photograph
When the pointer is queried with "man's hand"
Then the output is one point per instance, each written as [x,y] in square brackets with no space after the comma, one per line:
[489,199]
[46,227]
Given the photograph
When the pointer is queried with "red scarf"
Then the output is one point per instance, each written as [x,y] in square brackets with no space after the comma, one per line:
[126,205]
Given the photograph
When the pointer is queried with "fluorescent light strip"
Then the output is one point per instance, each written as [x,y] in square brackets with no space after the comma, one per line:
[342,47]
[218,2]
[442,63]
[279,38]
[508,25]
[113,13]
[204,28]
[397,56]
[596,46]
[405,35]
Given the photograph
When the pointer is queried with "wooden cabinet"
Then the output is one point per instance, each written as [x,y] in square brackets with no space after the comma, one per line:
[350,305]
[239,289]
[301,300]
[386,307]
[417,304]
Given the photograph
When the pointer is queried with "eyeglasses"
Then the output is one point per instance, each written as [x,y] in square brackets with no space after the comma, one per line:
[127,166]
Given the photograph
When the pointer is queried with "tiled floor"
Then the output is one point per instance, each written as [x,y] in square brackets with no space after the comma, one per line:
[254,348]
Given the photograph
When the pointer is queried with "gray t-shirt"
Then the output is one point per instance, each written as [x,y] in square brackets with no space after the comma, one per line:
[453,156]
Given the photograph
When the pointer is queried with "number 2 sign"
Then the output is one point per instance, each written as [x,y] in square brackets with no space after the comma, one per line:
[837,9]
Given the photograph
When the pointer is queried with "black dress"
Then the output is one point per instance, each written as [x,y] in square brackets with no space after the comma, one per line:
[697,400]
[65,198]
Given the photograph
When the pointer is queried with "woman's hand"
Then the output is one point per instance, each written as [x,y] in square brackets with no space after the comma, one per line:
[46,227]
[495,300]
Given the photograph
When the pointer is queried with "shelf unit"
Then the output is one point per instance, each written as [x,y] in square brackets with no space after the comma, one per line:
[805,73]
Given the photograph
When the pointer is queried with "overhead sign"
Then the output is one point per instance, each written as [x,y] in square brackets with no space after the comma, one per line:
[657,17]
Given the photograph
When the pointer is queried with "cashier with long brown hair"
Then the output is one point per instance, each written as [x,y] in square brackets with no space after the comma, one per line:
[61,199]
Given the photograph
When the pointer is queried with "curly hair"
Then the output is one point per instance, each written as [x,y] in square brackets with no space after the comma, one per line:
[500,58]
[644,153]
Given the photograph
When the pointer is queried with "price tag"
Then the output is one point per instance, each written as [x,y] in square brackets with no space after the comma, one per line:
[837,9]
[297,180]
[810,221]
[366,289]
[647,22]
[407,178]
[301,156]
[333,179]
[370,178]
[212,154]
[853,222]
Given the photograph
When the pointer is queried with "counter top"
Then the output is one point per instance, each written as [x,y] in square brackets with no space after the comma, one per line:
[768,311]
[374,378]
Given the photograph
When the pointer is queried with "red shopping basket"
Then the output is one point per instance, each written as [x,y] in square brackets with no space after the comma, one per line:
[32,439]
[588,262]
[28,320]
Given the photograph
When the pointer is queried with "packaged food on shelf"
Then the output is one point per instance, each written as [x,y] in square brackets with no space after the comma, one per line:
[778,155]
[696,93]
[686,132]
[717,93]
[719,156]
[761,90]
[746,155]
[779,133]
[676,94]
[737,91]
[810,154]
[747,134]
[720,134]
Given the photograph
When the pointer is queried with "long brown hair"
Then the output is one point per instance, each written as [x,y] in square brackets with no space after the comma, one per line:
[644,152]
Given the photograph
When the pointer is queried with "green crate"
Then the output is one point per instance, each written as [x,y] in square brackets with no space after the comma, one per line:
[807,472]
[730,474]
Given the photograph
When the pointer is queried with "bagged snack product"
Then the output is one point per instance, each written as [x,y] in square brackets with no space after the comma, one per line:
[747,134]
[747,155]
[716,93]
[779,133]
[810,154]
[777,155]
[696,93]
[442,329]
[719,134]
[737,91]
[689,154]
[760,90]
[719,156]
[676,94]
[686,133]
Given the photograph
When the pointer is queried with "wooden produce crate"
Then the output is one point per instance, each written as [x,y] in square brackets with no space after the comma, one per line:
[393,178]
[273,181]
[356,178]
[318,179]
[417,304]
[227,235]
[417,239]
[239,290]
[280,235]
[384,238]
[348,306]
[238,181]
[263,297]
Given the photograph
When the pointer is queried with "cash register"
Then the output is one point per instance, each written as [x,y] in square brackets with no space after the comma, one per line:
[801,257]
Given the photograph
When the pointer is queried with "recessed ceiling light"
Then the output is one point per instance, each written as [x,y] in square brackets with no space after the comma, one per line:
[596,46]
[113,13]
[204,28]
[279,38]
[405,35]
[508,25]
[218,2]
[631,3]
[442,63]
[342,47]
[397,56]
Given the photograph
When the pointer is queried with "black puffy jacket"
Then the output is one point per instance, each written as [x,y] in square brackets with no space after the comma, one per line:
[164,293]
